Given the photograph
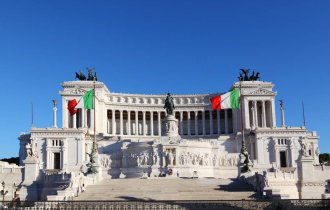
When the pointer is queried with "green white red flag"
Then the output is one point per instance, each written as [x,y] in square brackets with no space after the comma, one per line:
[87,100]
[229,100]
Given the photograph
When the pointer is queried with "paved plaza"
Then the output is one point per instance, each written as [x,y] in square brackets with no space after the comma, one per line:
[167,189]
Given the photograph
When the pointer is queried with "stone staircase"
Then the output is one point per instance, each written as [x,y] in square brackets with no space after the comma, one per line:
[167,189]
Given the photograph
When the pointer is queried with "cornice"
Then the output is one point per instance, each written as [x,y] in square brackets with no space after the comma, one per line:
[136,107]
[281,131]
[56,132]
[253,84]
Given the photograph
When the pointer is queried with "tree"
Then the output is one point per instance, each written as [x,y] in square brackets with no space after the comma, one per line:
[324,157]
[11,160]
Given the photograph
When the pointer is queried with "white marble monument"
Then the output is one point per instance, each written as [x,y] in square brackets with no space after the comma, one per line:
[136,138]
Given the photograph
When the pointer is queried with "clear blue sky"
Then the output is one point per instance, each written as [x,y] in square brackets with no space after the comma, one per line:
[155,46]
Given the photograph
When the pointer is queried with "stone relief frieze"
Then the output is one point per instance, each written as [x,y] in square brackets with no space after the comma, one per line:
[56,134]
[77,91]
[113,160]
[260,91]
[207,159]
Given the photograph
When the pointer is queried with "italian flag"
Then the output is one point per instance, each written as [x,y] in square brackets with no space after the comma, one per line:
[228,100]
[87,101]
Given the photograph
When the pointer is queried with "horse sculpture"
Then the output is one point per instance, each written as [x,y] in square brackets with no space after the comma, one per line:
[80,76]
[169,104]
[244,76]
[91,77]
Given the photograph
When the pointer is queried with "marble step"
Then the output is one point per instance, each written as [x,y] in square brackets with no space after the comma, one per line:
[167,189]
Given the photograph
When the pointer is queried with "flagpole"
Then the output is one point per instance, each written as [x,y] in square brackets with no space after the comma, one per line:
[242,121]
[95,148]
[303,109]
[32,116]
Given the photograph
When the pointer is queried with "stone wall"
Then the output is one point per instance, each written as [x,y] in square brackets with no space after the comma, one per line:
[11,175]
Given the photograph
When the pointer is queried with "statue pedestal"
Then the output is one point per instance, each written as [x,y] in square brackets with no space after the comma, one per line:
[31,170]
[308,186]
[171,126]
[29,190]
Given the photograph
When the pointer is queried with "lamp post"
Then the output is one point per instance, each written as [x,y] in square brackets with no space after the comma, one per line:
[3,192]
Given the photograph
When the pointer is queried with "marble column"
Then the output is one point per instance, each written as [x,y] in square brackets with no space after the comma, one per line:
[246,115]
[85,118]
[82,118]
[181,123]
[188,122]
[252,118]
[203,123]
[121,122]
[129,122]
[151,123]
[226,121]
[256,118]
[143,123]
[273,113]
[74,121]
[54,115]
[65,113]
[211,123]
[136,123]
[263,114]
[108,126]
[196,122]
[159,124]
[113,121]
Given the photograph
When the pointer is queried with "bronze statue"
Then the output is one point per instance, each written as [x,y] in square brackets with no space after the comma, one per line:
[90,74]
[252,77]
[257,77]
[244,76]
[169,104]
[95,76]
[81,76]
[240,78]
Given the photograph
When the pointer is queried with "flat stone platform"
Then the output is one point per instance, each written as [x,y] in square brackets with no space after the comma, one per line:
[156,189]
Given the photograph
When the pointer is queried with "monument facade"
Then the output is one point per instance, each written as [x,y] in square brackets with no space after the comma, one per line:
[141,135]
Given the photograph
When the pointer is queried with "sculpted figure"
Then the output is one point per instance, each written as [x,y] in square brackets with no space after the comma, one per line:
[317,151]
[240,78]
[169,104]
[138,160]
[29,150]
[304,149]
[257,77]
[81,76]
[90,75]
[252,77]
[34,149]
[246,74]
[265,178]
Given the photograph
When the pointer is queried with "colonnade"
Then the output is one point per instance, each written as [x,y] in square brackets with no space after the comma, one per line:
[261,113]
[83,118]
[149,123]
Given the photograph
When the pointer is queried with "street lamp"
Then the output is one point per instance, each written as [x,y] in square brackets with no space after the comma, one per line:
[3,192]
